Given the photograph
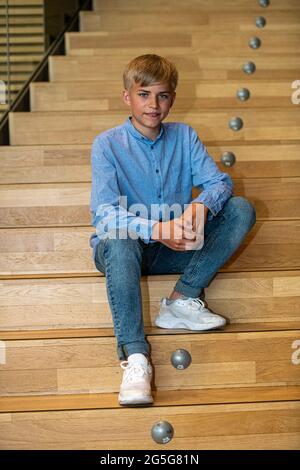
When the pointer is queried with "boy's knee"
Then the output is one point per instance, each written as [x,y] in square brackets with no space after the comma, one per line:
[242,208]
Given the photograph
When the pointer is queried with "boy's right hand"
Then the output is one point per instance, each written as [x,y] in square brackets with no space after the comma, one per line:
[176,234]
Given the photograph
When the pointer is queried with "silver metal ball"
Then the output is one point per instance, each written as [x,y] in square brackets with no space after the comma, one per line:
[181,359]
[260,22]
[249,67]
[236,123]
[228,159]
[255,43]
[243,94]
[162,432]
[264,3]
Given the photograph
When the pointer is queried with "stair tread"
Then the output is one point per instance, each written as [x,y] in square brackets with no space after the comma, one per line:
[190,20]
[49,252]
[52,127]
[88,365]
[198,42]
[67,204]
[76,303]
[96,66]
[197,94]
[108,332]
[200,5]
[161,398]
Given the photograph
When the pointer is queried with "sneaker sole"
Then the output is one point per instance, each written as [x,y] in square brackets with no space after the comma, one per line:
[136,401]
[182,324]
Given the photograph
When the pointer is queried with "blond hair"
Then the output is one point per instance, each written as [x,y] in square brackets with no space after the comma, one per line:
[149,69]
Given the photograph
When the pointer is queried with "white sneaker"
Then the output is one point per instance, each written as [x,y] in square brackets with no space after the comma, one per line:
[136,384]
[190,314]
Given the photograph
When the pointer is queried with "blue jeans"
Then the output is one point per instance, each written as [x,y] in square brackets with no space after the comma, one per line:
[124,262]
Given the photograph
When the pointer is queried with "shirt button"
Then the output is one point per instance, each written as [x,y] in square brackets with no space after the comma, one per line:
[152,147]
[157,171]
[159,195]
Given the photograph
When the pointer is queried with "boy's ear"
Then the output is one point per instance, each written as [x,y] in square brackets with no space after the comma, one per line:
[126,97]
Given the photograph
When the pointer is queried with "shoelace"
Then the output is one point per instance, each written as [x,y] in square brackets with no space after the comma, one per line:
[194,304]
[132,371]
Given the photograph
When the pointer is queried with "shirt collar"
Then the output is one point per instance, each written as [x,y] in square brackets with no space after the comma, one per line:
[138,135]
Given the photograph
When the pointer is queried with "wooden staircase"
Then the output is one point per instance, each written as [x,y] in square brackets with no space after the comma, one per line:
[26,42]
[60,375]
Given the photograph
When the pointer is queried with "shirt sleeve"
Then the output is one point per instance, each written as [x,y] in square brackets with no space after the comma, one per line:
[109,217]
[216,186]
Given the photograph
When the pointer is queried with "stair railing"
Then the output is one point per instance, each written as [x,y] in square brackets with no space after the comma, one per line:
[55,43]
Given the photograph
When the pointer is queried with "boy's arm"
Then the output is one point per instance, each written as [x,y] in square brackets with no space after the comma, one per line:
[108,215]
[217,186]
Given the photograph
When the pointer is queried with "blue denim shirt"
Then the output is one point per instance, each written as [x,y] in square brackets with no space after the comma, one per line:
[153,174]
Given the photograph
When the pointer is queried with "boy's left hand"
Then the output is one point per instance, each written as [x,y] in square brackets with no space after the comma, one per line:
[194,215]
[185,232]
[193,220]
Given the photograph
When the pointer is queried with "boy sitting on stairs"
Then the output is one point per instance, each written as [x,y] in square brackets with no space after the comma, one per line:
[154,165]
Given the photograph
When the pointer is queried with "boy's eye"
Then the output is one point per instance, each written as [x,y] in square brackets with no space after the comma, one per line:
[160,96]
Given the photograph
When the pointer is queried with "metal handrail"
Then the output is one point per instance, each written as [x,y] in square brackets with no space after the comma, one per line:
[40,73]
[7,51]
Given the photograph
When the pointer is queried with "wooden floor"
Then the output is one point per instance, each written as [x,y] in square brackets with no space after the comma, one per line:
[60,374]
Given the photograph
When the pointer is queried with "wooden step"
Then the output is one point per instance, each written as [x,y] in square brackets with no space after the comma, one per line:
[41,307]
[56,204]
[27,3]
[65,251]
[15,21]
[20,59]
[189,21]
[34,11]
[18,77]
[50,163]
[161,398]
[73,68]
[22,10]
[149,330]
[73,127]
[26,30]
[231,426]
[13,90]
[106,40]
[89,365]
[21,67]
[195,5]
[23,40]
[191,95]
[17,53]
[218,44]
[71,163]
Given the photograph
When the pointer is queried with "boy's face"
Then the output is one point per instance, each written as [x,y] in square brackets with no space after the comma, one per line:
[149,106]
